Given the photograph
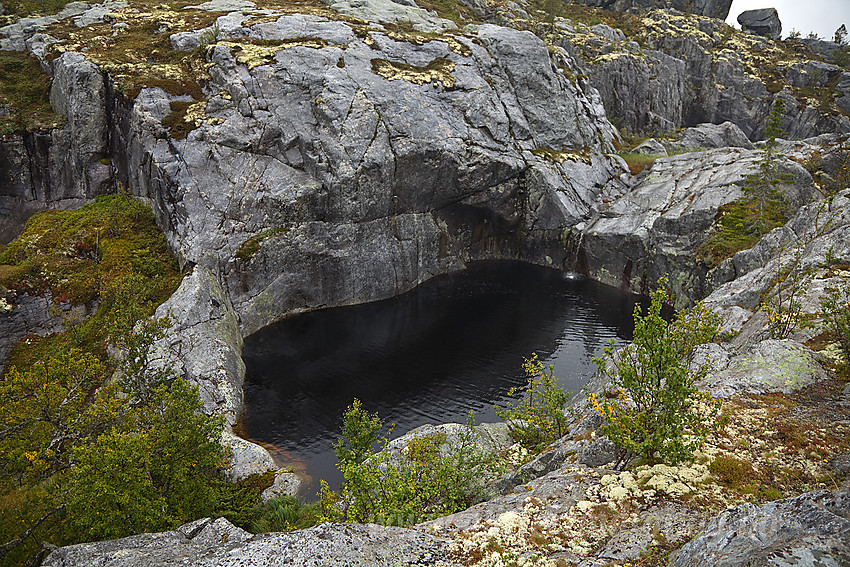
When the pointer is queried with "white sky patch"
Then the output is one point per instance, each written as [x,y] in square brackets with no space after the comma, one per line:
[820,16]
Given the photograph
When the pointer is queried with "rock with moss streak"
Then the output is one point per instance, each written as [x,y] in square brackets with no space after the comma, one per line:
[219,543]
[811,529]
[655,228]
[63,167]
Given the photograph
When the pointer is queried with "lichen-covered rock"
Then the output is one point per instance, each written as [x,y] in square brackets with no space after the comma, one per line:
[352,167]
[764,21]
[712,8]
[708,136]
[768,366]
[812,529]
[219,543]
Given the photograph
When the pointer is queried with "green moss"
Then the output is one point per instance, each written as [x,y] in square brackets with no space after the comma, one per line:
[735,230]
[639,162]
[110,249]
[30,8]
[176,123]
[252,245]
[25,91]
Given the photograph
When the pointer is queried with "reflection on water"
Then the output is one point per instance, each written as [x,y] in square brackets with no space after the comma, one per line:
[455,343]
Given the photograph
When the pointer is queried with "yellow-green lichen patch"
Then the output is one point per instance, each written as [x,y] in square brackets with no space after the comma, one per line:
[437,71]
[186,116]
[139,54]
[556,156]
[418,38]
[261,52]
[252,245]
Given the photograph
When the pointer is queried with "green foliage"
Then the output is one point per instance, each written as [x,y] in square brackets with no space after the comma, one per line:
[85,451]
[151,471]
[835,308]
[539,417]
[841,56]
[428,478]
[841,35]
[654,409]
[285,514]
[109,249]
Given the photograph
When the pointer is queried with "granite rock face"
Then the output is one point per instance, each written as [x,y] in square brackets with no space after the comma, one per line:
[681,70]
[355,168]
[218,543]
[655,228]
[764,22]
[812,529]
[64,167]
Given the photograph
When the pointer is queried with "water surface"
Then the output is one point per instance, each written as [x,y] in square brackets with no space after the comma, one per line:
[454,344]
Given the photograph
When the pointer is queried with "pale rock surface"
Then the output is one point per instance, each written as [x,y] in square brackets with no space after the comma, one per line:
[811,529]
[219,543]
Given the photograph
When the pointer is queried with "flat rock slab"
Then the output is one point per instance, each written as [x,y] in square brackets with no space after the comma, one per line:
[811,529]
[220,543]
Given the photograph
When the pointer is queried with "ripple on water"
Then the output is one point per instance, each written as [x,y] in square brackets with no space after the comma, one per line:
[429,356]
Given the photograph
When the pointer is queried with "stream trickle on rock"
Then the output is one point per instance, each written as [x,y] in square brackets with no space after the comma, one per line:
[454,344]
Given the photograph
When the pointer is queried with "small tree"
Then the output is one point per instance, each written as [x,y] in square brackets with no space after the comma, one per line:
[762,187]
[841,35]
[539,417]
[428,478]
[654,406]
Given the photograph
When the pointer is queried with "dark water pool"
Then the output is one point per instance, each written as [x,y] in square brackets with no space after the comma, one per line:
[455,343]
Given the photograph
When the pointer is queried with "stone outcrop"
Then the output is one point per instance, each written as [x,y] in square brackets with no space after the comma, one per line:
[357,168]
[655,228]
[712,8]
[678,70]
[764,22]
[812,529]
[63,167]
[210,543]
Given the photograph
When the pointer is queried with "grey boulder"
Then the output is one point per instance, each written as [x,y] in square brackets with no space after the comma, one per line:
[811,529]
[764,22]
[219,543]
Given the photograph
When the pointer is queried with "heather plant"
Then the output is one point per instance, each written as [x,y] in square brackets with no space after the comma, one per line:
[653,408]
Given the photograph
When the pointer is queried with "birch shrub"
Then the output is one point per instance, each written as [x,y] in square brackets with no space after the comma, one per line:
[653,408]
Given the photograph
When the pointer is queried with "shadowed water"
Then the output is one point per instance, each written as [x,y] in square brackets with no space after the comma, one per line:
[454,344]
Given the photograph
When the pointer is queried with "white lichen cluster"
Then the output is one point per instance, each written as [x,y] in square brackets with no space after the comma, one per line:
[5,307]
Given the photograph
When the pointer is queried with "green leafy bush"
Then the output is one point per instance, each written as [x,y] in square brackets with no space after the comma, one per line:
[429,478]
[654,409]
[835,307]
[539,417]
